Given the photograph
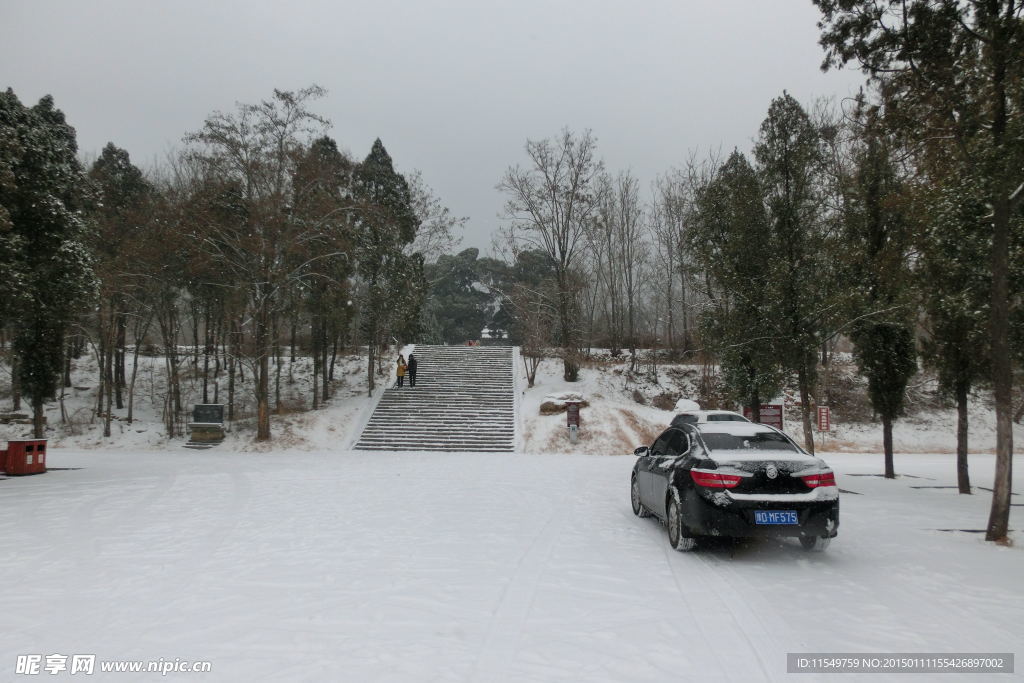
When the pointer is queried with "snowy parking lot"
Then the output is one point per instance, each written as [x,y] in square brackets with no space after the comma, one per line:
[459,567]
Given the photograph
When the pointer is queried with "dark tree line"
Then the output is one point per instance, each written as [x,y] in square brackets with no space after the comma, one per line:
[846,225]
[947,77]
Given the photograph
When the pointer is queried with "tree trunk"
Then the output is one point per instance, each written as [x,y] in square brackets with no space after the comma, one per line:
[277,370]
[683,311]
[15,383]
[101,360]
[175,382]
[262,342]
[369,369]
[1002,377]
[219,349]
[169,402]
[325,365]
[231,387]
[314,339]
[805,409]
[119,358]
[294,334]
[530,363]
[890,469]
[195,333]
[963,479]
[571,368]
[109,382]
[67,364]
[334,354]
[38,426]
[316,380]
[131,385]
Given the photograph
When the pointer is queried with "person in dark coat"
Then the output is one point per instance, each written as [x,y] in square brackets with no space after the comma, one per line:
[411,368]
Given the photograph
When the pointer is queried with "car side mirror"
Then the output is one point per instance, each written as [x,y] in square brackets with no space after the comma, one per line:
[643,450]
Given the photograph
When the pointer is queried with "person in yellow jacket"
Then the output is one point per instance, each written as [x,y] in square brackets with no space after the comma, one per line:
[401,370]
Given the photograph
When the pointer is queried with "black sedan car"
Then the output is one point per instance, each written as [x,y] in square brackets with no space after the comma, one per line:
[736,479]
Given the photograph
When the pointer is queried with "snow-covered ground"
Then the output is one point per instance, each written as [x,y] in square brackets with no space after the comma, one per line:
[303,561]
[341,566]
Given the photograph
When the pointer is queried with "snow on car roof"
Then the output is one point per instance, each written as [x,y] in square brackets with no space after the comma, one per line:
[708,412]
[734,428]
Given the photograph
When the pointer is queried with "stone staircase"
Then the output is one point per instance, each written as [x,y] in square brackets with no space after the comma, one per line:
[464,400]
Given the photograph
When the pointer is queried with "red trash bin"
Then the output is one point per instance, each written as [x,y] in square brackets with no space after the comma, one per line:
[27,456]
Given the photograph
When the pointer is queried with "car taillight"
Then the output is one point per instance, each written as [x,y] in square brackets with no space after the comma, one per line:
[823,479]
[714,480]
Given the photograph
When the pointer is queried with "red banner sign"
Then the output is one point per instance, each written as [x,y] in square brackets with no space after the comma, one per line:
[824,419]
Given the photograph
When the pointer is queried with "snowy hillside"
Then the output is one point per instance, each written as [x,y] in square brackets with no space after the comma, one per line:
[295,425]
[616,420]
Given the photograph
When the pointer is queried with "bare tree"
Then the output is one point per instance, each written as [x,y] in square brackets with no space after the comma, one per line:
[550,205]
[534,314]
[670,213]
[437,233]
[251,156]
[632,253]
[606,275]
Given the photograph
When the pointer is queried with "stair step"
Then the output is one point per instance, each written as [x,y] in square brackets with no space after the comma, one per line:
[464,400]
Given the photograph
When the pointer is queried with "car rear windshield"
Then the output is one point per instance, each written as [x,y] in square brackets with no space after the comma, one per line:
[684,419]
[726,418]
[762,441]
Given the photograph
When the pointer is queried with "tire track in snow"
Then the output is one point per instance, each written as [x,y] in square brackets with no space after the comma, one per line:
[738,609]
[506,625]
[687,599]
[702,607]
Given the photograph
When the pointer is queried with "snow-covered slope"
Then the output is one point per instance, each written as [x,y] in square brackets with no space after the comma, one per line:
[615,422]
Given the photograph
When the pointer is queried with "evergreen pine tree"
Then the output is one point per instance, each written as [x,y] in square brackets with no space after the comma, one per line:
[118,212]
[323,188]
[788,158]
[877,238]
[952,73]
[42,188]
[732,243]
[385,222]
[955,282]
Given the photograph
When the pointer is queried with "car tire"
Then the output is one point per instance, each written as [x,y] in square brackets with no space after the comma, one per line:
[634,495]
[815,544]
[678,536]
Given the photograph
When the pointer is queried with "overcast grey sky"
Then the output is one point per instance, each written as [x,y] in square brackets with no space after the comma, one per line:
[453,89]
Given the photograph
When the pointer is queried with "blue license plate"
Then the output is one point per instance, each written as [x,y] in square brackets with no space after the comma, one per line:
[775,517]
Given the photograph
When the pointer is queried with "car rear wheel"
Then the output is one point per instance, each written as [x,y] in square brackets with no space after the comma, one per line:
[814,543]
[678,536]
[634,494]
